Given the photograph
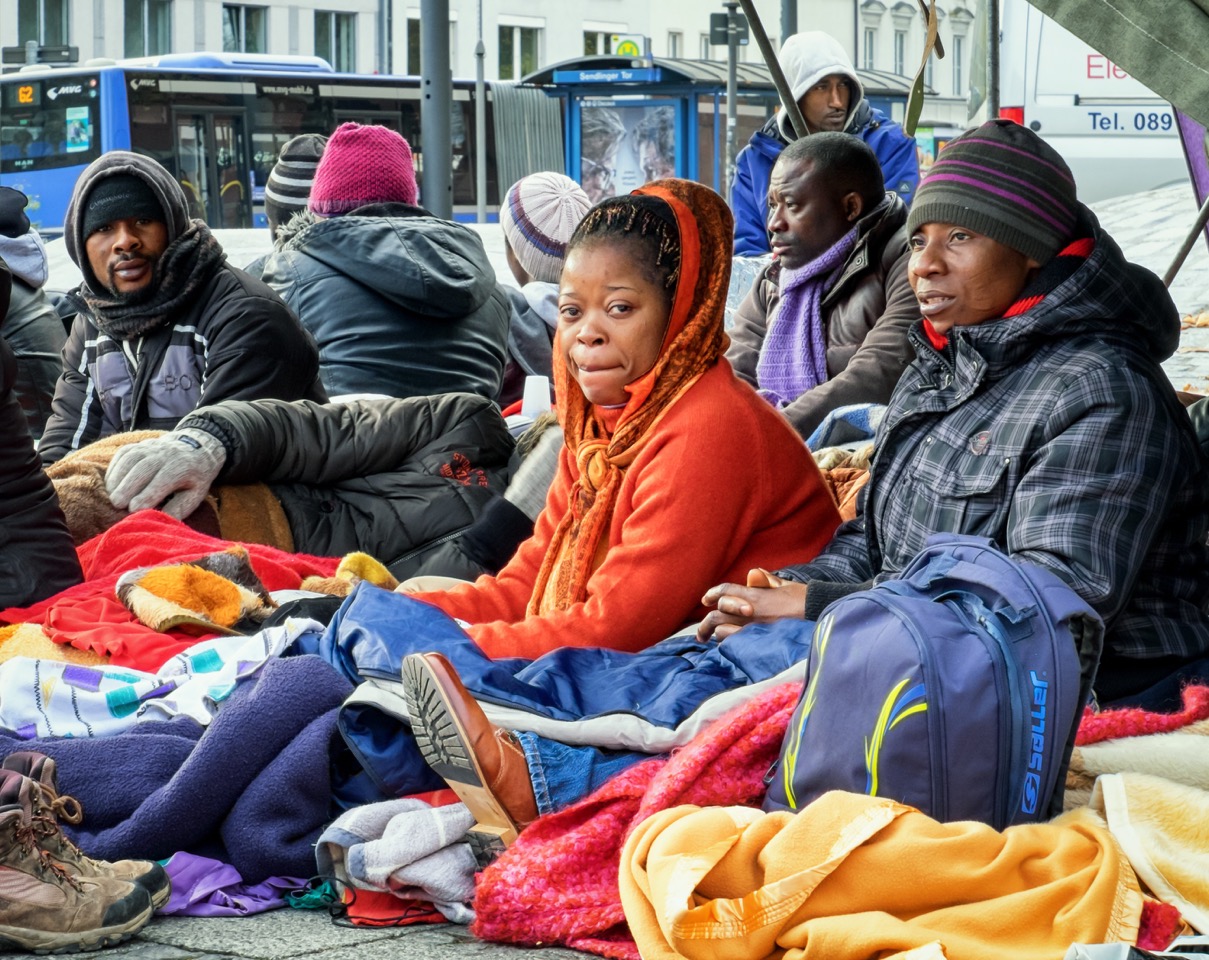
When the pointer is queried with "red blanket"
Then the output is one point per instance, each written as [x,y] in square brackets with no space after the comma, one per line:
[88,616]
[558,883]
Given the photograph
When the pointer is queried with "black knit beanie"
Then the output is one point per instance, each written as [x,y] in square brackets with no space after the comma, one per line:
[13,221]
[1005,182]
[289,184]
[118,197]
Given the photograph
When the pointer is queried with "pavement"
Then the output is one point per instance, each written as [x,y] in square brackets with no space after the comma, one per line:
[287,934]
[1148,226]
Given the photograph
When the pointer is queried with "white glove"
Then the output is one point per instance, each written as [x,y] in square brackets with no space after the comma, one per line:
[172,472]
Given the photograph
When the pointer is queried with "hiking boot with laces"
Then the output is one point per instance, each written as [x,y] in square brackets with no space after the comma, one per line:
[45,906]
[50,809]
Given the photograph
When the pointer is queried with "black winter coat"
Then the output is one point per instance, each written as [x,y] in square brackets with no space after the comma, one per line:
[37,556]
[390,477]
[239,341]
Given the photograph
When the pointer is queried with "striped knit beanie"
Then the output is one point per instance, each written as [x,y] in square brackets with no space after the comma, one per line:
[289,185]
[1005,182]
[539,214]
[361,165]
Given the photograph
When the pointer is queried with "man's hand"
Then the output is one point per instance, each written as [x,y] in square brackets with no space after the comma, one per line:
[765,598]
[172,472]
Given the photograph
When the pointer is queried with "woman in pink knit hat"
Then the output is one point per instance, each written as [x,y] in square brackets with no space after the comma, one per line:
[401,303]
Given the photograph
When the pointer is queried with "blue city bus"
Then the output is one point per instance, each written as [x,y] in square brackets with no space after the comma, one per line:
[215,121]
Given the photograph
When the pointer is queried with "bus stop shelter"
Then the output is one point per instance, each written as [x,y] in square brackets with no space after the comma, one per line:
[629,121]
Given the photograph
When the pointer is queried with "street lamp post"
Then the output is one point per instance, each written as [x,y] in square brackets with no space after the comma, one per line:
[436,87]
[732,113]
[480,124]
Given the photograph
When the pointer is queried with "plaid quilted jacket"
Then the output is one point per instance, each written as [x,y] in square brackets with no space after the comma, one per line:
[1057,434]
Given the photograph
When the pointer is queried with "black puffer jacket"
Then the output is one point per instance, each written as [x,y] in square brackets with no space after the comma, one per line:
[401,303]
[389,477]
[37,557]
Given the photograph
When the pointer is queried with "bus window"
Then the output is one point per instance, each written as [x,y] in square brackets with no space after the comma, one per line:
[280,114]
[49,123]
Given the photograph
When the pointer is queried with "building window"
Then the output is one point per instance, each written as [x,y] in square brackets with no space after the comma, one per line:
[870,46]
[675,44]
[148,31]
[413,47]
[706,47]
[595,43]
[335,39]
[520,51]
[42,20]
[900,52]
[959,53]
[243,29]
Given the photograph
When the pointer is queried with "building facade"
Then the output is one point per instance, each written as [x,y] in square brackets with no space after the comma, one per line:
[520,36]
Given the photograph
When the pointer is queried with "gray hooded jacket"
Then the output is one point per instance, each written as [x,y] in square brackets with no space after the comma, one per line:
[32,329]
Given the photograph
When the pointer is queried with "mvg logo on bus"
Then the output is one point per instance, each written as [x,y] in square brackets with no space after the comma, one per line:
[140,83]
[54,92]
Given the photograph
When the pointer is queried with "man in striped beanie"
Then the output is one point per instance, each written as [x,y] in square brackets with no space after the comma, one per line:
[289,185]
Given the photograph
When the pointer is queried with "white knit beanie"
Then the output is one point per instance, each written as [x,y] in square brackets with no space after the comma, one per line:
[538,215]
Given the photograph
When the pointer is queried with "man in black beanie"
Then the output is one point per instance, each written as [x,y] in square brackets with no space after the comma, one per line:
[163,322]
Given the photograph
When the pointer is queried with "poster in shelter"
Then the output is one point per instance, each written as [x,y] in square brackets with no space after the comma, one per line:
[624,144]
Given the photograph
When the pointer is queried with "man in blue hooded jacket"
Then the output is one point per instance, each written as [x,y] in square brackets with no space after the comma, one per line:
[831,97]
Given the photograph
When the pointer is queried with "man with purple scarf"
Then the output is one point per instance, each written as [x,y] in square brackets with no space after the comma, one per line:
[825,324]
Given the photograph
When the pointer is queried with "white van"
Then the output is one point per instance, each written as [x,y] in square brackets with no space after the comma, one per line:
[1117,136]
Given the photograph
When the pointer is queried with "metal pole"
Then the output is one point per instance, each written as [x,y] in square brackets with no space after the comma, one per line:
[436,86]
[480,125]
[992,59]
[1201,219]
[789,19]
[381,66]
[732,90]
[788,103]
[31,52]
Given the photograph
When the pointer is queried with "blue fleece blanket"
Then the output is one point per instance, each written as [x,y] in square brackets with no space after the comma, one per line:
[664,685]
[252,789]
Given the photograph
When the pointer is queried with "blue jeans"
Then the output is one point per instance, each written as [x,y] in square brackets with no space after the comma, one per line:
[562,774]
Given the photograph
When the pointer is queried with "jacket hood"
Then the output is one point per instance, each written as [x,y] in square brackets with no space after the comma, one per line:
[26,257]
[1107,297]
[806,59]
[430,266]
[167,191]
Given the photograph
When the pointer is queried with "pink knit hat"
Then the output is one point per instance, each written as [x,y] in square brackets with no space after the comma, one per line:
[362,165]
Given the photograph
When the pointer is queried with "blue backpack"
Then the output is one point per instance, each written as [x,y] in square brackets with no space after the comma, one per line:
[955,688]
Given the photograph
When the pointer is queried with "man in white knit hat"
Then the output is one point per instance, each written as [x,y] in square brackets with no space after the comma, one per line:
[539,214]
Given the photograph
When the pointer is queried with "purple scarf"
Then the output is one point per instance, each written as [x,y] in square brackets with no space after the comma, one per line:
[793,358]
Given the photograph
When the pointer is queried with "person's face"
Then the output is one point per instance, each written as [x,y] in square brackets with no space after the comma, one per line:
[655,166]
[597,172]
[962,278]
[611,320]
[805,217]
[825,105]
[123,253]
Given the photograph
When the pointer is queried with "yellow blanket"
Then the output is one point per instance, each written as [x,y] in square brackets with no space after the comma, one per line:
[860,877]
[1163,827]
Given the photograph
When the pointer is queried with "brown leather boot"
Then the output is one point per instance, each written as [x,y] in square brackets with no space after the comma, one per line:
[50,809]
[47,906]
[482,763]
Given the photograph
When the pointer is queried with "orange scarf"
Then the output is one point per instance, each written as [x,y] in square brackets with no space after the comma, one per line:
[692,344]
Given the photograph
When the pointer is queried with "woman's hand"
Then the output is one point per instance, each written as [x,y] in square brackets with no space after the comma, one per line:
[765,598]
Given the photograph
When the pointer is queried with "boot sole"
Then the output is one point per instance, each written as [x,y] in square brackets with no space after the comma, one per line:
[445,748]
[46,941]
